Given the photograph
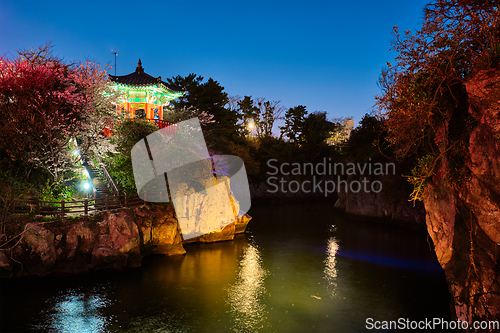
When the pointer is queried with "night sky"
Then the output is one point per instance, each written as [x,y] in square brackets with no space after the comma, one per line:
[326,55]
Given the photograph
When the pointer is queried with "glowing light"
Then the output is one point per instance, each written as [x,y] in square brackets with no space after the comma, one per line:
[86,185]
[76,152]
[251,126]
[330,265]
[163,93]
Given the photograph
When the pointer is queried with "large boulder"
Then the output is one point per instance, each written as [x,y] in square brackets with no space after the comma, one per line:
[241,223]
[80,238]
[208,212]
[118,244]
[223,234]
[144,217]
[39,251]
[166,237]
[6,265]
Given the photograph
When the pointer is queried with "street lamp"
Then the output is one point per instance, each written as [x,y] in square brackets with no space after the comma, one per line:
[86,187]
[115,53]
[250,127]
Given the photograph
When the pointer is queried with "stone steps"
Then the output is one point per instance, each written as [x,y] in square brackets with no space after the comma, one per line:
[100,186]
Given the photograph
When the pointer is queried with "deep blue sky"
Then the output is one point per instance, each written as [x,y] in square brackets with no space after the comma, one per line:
[326,55]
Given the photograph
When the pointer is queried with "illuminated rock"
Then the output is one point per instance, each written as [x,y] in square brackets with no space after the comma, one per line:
[166,237]
[206,213]
[118,243]
[38,243]
[242,223]
[80,238]
[464,222]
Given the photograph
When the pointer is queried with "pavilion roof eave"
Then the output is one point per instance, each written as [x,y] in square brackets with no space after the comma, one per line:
[159,87]
[139,80]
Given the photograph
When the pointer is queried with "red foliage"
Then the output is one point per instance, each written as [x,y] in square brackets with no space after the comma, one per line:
[43,104]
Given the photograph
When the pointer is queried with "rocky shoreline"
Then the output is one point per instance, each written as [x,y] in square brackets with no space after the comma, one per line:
[114,240]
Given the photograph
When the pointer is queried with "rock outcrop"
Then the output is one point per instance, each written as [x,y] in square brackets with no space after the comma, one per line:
[204,212]
[116,240]
[390,203]
[464,223]
[241,224]
[38,245]
[118,243]
[166,237]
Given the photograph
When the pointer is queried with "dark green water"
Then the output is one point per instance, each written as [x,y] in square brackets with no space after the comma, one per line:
[300,268]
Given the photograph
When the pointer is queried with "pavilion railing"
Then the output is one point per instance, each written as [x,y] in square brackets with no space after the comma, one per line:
[161,123]
[171,128]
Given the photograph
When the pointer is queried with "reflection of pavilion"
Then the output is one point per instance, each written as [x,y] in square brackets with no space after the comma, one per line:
[144,93]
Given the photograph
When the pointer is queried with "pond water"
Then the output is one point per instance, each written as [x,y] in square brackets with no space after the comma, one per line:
[299,268]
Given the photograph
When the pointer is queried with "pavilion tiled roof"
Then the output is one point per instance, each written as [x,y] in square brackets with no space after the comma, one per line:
[139,78]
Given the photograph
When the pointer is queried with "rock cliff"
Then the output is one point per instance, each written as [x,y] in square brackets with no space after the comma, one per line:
[464,223]
[390,203]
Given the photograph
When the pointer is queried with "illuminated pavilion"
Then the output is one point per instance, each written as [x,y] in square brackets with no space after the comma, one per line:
[142,91]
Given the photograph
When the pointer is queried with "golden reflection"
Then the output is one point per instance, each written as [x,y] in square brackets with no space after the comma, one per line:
[245,296]
[330,265]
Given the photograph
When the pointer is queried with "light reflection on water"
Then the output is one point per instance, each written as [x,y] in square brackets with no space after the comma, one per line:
[79,314]
[245,295]
[76,312]
[330,263]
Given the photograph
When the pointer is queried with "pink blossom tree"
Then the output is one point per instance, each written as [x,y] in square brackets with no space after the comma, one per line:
[44,103]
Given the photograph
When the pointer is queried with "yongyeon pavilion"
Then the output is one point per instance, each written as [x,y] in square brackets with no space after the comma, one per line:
[145,93]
